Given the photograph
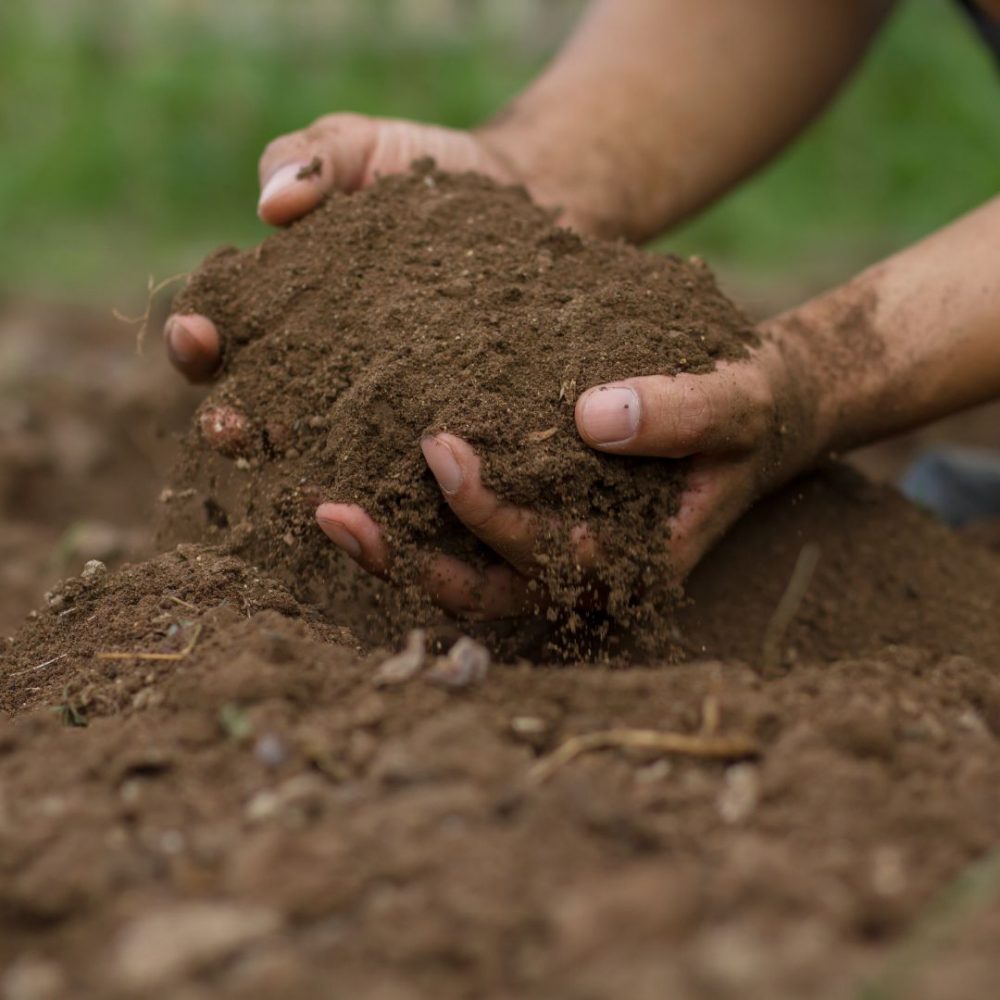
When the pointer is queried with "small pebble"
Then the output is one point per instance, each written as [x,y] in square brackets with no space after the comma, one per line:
[740,793]
[528,725]
[93,568]
[270,750]
[400,668]
[467,663]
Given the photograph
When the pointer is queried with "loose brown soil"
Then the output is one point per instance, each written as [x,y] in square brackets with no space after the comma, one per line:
[436,302]
[204,790]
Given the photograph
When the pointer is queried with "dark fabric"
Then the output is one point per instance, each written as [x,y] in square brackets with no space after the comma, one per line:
[958,484]
[988,27]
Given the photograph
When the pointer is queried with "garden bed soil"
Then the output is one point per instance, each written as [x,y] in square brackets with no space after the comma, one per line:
[207,788]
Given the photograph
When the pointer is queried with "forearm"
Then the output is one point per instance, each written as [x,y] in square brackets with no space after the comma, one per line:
[913,338]
[656,107]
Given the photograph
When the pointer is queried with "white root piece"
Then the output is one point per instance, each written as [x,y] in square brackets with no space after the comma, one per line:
[404,665]
[467,663]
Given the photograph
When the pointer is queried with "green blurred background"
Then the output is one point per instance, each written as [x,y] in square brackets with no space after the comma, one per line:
[130,130]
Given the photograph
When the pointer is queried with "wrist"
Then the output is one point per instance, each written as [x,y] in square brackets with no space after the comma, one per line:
[597,189]
[805,418]
[519,145]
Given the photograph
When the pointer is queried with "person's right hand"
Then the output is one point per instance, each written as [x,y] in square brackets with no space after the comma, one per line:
[341,152]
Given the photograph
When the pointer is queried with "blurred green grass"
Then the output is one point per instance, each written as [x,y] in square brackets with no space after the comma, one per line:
[131,134]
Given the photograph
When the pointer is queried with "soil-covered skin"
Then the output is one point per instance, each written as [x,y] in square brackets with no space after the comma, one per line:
[437,302]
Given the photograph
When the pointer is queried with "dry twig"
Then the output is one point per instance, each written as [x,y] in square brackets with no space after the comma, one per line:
[537,437]
[185,652]
[682,744]
[788,606]
[47,663]
[143,318]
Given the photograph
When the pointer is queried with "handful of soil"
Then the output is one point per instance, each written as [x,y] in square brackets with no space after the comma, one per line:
[435,302]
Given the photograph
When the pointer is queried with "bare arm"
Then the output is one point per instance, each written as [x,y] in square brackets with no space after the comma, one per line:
[656,107]
[909,340]
[652,109]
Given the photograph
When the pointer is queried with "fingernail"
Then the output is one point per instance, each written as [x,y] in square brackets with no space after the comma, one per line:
[610,414]
[340,536]
[443,464]
[182,345]
[282,178]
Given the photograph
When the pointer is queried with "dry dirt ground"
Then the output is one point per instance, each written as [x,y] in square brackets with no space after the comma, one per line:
[205,790]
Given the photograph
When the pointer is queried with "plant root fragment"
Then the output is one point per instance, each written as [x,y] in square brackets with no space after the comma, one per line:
[181,655]
[152,290]
[682,744]
[788,606]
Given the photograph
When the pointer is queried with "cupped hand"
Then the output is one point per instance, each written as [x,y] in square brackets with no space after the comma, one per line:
[733,425]
[341,152]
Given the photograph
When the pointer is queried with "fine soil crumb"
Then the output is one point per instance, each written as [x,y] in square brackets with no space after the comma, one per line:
[437,302]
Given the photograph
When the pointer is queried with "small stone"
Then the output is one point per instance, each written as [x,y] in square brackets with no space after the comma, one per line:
[270,750]
[404,665]
[467,663]
[165,946]
[655,772]
[172,842]
[295,802]
[31,978]
[528,725]
[145,698]
[888,871]
[93,568]
[740,794]
[972,722]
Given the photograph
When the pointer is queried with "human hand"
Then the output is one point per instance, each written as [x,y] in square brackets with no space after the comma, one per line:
[744,429]
[340,152]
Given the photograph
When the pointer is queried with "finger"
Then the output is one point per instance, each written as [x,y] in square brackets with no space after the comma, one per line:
[512,532]
[194,346]
[298,169]
[463,591]
[458,588]
[351,529]
[673,416]
[715,495]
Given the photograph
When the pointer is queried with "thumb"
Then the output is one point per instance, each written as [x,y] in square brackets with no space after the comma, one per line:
[298,169]
[673,416]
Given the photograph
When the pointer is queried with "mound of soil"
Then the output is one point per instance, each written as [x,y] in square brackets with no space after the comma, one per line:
[203,793]
[436,302]
[207,789]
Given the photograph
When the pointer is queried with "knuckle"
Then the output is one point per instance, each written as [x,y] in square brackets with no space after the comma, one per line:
[280,148]
[693,415]
[332,123]
[756,407]
[480,513]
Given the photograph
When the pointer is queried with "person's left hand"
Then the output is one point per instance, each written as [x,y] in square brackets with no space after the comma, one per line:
[728,423]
